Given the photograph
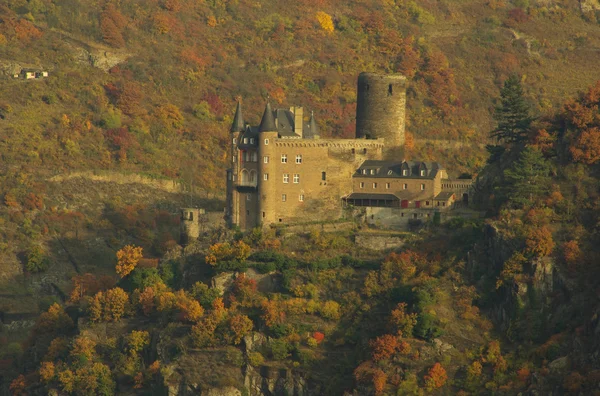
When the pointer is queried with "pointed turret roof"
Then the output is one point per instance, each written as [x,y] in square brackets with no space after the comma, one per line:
[311,129]
[267,123]
[238,120]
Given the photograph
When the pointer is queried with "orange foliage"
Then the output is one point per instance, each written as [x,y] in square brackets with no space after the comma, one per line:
[401,322]
[25,31]
[523,374]
[171,5]
[47,371]
[112,23]
[55,319]
[379,381]
[318,336]
[127,259]
[586,148]
[146,300]
[383,347]
[108,306]
[436,377]
[272,313]
[83,346]
[325,21]
[571,253]
[33,201]
[190,309]
[572,383]
[88,284]
[539,241]
[164,23]
[240,325]
[18,385]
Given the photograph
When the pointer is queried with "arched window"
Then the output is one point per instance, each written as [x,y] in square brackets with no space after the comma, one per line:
[252,176]
[245,176]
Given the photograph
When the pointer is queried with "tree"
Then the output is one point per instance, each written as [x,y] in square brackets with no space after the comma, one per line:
[18,385]
[83,349]
[528,178]
[127,259]
[539,242]
[112,23]
[436,377]
[384,347]
[137,341]
[47,371]
[513,113]
[240,325]
[325,21]
[401,322]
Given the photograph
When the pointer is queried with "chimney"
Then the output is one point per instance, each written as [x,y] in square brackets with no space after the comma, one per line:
[298,120]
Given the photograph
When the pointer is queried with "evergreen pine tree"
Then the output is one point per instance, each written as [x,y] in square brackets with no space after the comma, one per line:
[512,115]
[528,178]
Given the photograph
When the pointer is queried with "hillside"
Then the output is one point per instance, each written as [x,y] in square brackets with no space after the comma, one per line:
[98,297]
[176,67]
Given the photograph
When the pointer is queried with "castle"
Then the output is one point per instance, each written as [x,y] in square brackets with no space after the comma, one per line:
[283,172]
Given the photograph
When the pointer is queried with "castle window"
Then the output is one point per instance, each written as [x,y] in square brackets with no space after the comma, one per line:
[228,175]
[283,158]
[390,90]
[283,197]
[353,151]
[301,198]
[264,215]
[254,157]
[233,158]
[374,185]
[387,185]
[299,159]
[266,159]
[372,171]
[248,197]
[426,203]
[422,173]
[286,177]
[405,186]
[266,142]
[443,203]
[247,212]
[323,175]
[245,140]
[364,151]
[296,178]
[362,185]
[389,172]
[252,176]
[251,140]
[245,156]
[364,171]
[405,172]
[422,187]
[266,176]
[234,141]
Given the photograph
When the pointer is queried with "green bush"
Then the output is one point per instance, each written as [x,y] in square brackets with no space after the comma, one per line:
[427,327]
[37,261]
[234,356]
[204,294]
[280,349]
[255,359]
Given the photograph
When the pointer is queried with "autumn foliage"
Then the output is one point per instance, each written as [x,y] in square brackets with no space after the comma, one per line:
[127,259]
[436,377]
[384,347]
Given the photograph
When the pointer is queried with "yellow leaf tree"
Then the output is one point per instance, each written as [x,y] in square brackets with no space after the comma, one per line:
[127,259]
[325,21]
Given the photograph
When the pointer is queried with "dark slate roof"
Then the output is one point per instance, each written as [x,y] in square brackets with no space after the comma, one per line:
[250,132]
[444,196]
[311,129]
[382,169]
[285,123]
[267,123]
[238,120]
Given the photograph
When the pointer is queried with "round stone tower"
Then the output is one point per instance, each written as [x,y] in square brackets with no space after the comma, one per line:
[380,109]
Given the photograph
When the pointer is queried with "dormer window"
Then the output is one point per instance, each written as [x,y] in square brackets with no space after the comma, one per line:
[251,140]
[405,172]
[234,141]
[372,171]
[364,171]
[422,172]
[245,140]
[389,172]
